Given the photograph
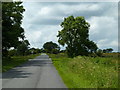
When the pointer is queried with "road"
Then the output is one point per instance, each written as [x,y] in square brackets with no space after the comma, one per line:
[36,73]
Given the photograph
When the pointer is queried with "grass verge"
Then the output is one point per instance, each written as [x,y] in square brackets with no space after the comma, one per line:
[87,72]
[16,61]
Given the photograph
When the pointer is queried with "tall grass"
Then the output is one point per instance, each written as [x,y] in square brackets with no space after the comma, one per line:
[87,72]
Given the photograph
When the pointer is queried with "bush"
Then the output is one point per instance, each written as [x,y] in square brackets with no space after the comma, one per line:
[12,52]
[55,51]
[99,52]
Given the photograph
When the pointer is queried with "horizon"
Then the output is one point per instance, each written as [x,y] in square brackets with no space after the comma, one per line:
[43,19]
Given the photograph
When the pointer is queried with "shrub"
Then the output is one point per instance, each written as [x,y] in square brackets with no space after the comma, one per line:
[55,51]
[99,52]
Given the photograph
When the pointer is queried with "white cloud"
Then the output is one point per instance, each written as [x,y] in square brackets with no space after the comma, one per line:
[41,21]
[69,9]
[106,43]
[42,34]
[34,35]
[104,31]
[114,43]
[104,24]
[44,11]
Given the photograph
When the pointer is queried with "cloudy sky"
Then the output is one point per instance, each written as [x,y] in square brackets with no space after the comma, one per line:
[42,21]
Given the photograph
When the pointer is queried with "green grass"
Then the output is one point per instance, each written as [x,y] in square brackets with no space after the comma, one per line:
[15,61]
[87,72]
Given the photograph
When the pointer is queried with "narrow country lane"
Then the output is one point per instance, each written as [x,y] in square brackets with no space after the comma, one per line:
[36,73]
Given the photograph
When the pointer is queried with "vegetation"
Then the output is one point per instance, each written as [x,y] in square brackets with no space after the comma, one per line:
[51,47]
[87,72]
[13,36]
[22,49]
[15,61]
[99,52]
[34,50]
[109,50]
[75,35]
[12,31]
[78,72]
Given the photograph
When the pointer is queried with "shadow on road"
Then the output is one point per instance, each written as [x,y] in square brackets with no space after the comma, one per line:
[14,73]
[17,72]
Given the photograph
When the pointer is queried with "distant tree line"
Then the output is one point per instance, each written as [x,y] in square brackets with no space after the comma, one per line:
[24,51]
[74,34]
[108,50]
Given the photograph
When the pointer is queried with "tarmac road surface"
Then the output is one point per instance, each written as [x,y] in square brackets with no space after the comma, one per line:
[36,73]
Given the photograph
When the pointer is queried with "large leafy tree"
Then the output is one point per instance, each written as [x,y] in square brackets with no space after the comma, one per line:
[51,47]
[11,25]
[75,35]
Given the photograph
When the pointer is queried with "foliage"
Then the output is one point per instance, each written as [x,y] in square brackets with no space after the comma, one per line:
[75,35]
[87,72]
[22,49]
[111,54]
[51,47]
[12,52]
[11,25]
[42,50]
[34,50]
[109,50]
[15,61]
[62,51]
[99,52]
[55,51]
[37,50]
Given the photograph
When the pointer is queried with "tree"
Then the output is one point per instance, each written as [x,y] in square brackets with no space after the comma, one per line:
[12,52]
[22,49]
[51,47]
[34,51]
[99,52]
[92,47]
[42,50]
[109,50]
[75,35]
[104,50]
[38,50]
[11,25]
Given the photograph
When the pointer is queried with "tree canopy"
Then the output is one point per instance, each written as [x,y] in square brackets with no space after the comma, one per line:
[12,31]
[75,34]
[34,50]
[22,49]
[51,47]
[108,50]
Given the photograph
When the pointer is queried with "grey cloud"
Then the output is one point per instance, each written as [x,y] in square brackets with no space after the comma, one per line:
[58,12]
[45,21]
[36,21]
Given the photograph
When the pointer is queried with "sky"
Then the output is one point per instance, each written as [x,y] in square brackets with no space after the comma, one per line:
[42,20]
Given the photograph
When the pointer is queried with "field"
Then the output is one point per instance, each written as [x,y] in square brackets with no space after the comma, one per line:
[15,61]
[87,72]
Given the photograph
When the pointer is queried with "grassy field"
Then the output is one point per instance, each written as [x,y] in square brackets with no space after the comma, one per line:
[15,61]
[87,72]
